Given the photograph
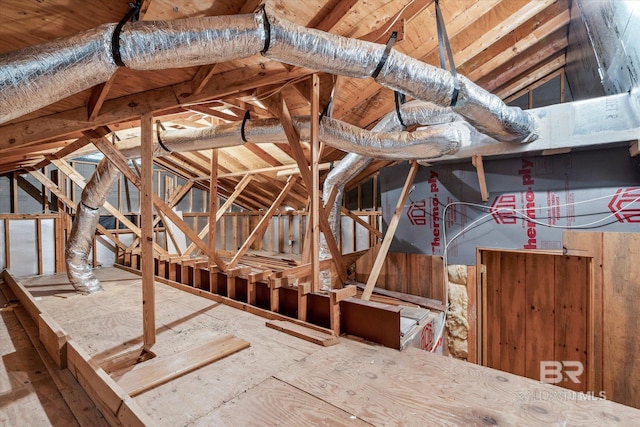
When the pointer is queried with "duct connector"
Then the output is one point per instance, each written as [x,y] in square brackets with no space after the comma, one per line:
[37,76]
[84,227]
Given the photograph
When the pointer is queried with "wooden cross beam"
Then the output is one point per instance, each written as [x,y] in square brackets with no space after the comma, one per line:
[388,237]
[264,221]
[236,192]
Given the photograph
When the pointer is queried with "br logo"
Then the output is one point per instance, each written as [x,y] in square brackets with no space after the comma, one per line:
[502,209]
[554,372]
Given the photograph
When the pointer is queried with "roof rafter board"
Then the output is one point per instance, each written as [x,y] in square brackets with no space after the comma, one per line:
[420,40]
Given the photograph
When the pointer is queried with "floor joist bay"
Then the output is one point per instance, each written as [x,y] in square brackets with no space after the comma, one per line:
[284,380]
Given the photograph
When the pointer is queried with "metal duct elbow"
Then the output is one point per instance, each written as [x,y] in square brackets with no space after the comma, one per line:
[36,76]
[84,227]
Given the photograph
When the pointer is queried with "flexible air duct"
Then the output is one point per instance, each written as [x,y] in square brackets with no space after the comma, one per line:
[84,227]
[37,76]
[410,114]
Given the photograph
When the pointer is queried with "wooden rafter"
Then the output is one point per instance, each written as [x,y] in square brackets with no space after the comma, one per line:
[264,222]
[161,206]
[227,204]
[391,230]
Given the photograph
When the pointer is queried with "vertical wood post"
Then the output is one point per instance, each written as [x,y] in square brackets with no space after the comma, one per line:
[146,213]
[315,188]
[213,201]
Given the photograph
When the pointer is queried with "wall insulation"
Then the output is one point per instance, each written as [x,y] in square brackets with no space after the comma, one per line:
[565,190]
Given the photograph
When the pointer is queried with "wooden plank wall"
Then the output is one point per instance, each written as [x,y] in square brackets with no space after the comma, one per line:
[415,274]
[536,310]
[616,318]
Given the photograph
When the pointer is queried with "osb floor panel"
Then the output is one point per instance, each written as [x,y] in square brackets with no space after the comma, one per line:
[28,396]
[282,380]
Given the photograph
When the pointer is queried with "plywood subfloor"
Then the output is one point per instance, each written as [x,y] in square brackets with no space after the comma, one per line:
[282,380]
[28,395]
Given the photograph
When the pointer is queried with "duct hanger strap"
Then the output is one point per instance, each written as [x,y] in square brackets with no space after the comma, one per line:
[247,116]
[133,15]
[160,143]
[89,207]
[400,99]
[385,54]
[443,43]
[267,31]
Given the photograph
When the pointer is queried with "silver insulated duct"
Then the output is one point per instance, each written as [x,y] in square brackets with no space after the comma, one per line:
[34,77]
[84,227]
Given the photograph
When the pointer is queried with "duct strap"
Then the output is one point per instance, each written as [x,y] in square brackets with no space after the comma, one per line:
[443,43]
[267,31]
[385,54]
[400,99]
[160,143]
[247,116]
[133,15]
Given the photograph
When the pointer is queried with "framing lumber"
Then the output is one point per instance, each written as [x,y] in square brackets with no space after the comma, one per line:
[321,338]
[362,222]
[391,230]
[145,183]
[226,205]
[78,179]
[314,192]
[282,111]
[264,222]
[201,78]
[98,95]
[476,160]
[213,201]
[153,373]
[53,187]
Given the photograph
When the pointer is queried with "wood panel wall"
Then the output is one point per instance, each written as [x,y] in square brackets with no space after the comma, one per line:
[415,274]
[536,309]
[616,318]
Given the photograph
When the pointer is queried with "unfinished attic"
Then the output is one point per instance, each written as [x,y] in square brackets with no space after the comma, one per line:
[319,212]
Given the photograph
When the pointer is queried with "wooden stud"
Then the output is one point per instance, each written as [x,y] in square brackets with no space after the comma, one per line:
[213,201]
[303,289]
[227,204]
[201,78]
[314,192]
[264,221]
[146,211]
[388,237]
[98,95]
[476,160]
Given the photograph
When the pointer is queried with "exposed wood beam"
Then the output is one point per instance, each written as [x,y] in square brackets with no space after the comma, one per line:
[362,222]
[391,231]
[314,193]
[291,133]
[264,156]
[546,68]
[264,222]
[335,15]
[227,204]
[145,183]
[98,95]
[213,201]
[530,40]
[53,187]
[127,108]
[524,62]
[78,179]
[213,113]
[201,78]
[166,210]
